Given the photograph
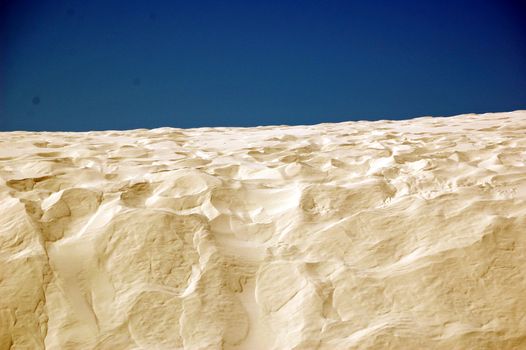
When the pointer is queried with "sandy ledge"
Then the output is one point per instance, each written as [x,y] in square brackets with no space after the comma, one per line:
[360,235]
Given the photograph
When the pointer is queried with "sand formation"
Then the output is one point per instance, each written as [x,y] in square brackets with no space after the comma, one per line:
[359,235]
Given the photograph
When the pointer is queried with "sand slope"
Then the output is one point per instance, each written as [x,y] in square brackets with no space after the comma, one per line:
[360,235]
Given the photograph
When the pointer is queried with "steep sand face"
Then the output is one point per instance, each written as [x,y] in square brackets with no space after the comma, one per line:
[360,235]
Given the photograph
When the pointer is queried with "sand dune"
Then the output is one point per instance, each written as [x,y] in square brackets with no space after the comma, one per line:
[360,235]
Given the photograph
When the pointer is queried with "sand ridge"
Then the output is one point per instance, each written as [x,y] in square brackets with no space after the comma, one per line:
[389,234]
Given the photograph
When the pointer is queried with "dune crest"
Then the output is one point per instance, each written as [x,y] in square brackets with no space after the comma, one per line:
[359,235]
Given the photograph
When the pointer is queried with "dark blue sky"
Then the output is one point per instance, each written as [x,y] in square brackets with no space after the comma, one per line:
[91,65]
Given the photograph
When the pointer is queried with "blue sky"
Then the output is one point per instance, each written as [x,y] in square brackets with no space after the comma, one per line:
[94,65]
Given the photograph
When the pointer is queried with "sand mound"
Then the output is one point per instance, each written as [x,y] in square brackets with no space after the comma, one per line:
[367,235]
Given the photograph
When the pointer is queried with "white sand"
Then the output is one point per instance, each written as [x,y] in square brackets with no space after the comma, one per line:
[367,235]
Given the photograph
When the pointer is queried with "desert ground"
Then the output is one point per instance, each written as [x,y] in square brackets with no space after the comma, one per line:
[357,235]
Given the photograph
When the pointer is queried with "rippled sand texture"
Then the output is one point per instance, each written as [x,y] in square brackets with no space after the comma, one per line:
[360,235]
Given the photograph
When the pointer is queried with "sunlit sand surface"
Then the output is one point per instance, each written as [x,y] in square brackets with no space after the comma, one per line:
[359,235]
